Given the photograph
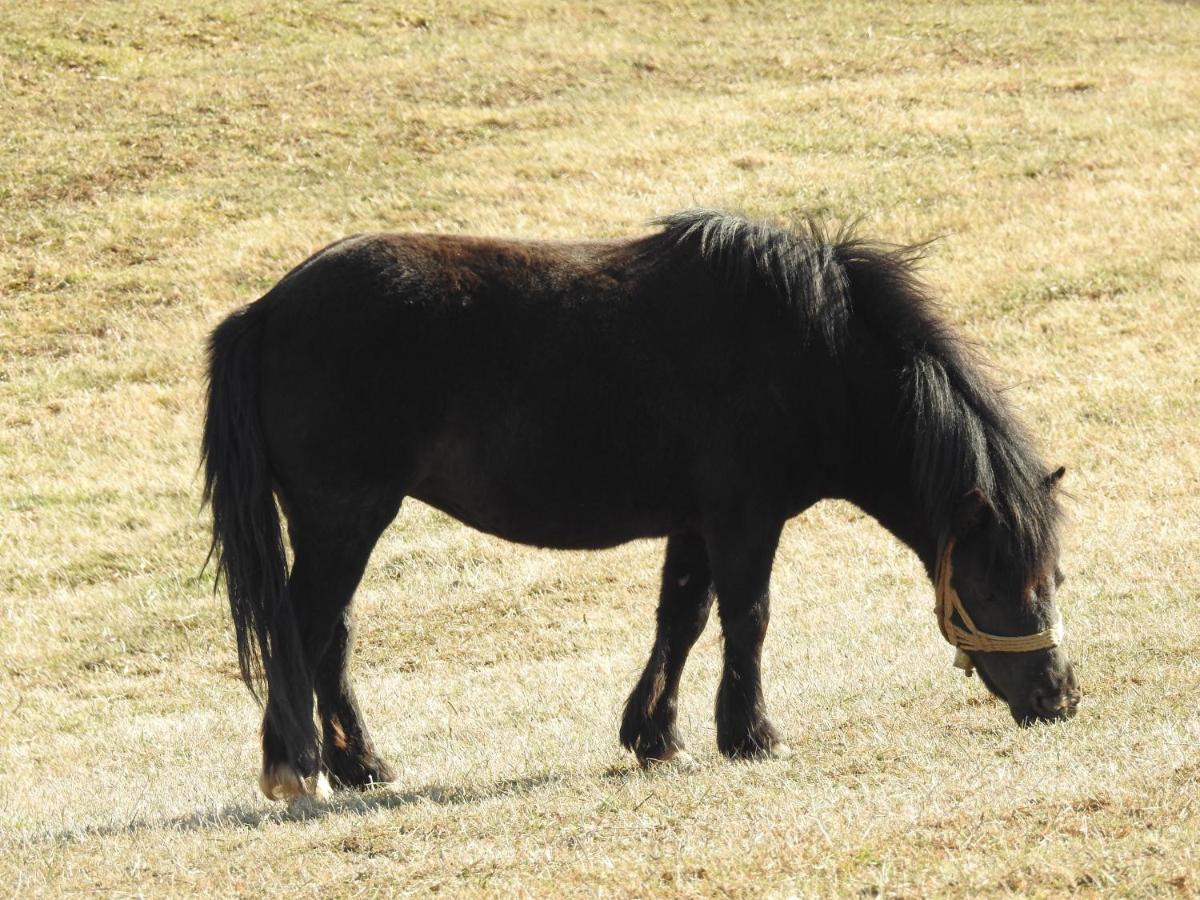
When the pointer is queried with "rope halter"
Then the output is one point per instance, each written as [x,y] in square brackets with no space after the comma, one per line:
[967,637]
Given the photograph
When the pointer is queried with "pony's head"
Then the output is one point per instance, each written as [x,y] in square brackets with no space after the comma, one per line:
[997,607]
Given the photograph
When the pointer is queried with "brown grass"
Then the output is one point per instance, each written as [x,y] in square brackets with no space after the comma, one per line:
[160,166]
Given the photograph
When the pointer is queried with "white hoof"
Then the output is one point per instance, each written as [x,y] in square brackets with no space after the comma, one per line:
[683,760]
[676,758]
[782,751]
[281,782]
[319,788]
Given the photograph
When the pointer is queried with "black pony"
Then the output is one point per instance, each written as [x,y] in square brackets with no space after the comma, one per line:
[705,383]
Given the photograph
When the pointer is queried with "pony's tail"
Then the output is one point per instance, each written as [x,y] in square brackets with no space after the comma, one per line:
[247,541]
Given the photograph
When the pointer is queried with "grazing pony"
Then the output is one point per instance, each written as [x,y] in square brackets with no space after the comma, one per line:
[704,383]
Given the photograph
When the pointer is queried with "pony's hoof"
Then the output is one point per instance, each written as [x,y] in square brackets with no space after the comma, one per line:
[316,792]
[282,782]
[673,758]
[359,774]
[319,787]
[760,744]
[683,761]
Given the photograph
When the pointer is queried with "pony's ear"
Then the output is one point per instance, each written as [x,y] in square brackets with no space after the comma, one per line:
[974,510]
[1056,476]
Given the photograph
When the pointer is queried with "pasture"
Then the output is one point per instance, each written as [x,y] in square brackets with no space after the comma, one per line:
[162,165]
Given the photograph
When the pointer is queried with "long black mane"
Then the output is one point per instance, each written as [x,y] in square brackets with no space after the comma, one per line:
[955,422]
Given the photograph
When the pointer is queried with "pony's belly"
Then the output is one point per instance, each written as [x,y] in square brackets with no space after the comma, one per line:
[559,518]
[538,478]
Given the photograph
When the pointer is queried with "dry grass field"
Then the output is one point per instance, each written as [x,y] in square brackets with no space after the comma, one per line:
[161,165]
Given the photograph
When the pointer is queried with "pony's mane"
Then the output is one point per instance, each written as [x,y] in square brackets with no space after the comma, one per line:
[799,266]
[958,427]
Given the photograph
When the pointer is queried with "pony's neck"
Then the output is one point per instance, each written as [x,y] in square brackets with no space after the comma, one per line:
[892,501]
[878,472]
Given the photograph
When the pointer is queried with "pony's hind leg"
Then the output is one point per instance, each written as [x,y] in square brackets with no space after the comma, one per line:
[348,754]
[741,560]
[331,554]
[648,727]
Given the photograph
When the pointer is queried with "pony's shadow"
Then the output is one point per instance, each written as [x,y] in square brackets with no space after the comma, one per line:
[255,815]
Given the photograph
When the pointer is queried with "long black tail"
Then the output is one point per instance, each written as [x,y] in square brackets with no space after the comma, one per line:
[247,539]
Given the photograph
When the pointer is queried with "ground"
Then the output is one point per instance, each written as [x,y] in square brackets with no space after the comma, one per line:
[162,165]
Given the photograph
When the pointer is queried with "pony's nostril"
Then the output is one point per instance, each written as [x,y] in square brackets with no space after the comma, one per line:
[1053,704]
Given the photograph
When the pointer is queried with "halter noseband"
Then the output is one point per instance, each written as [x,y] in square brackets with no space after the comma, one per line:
[971,638]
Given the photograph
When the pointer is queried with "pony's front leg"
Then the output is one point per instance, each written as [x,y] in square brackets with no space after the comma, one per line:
[741,555]
[648,726]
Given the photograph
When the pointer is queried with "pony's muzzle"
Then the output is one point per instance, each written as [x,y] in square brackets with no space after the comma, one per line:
[1055,700]
[1049,706]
